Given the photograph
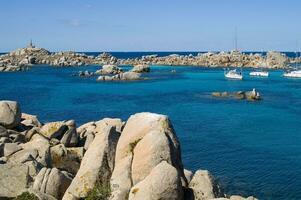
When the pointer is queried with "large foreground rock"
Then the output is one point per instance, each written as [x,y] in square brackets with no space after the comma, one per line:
[97,164]
[163,183]
[10,114]
[14,179]
[146,140]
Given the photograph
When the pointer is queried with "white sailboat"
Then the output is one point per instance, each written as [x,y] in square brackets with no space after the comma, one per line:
[234,74]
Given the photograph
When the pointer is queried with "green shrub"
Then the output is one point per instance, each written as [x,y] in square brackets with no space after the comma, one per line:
[27,196]
[99,192]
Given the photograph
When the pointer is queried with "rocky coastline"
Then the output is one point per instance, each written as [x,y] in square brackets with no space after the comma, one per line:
[32,55]
[137,159]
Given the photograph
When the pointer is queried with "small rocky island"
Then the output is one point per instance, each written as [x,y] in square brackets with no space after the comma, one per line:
[20,59]
[248,95]
[137,159]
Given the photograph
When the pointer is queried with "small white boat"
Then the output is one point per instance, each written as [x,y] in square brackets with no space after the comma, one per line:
[293,74]
[259,73]
[233,74]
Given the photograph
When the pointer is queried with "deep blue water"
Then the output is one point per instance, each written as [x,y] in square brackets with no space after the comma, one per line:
[253,148]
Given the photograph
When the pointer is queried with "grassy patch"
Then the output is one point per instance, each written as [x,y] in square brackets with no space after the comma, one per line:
[27,196]
[99,192]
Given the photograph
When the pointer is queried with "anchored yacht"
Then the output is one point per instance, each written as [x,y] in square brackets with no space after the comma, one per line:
[293,74]
[233,74]
[259,73]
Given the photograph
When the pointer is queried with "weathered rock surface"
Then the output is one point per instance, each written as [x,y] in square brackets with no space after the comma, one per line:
[109,69]
[14,179]
[141,68]
[121,180]
[30,120]
[53,129]
[97,164]
[162,183]
[52,182]
[11,148]
[204,186]
[38,148]
[146,140]
[126,76]
[10,114]
[67,159]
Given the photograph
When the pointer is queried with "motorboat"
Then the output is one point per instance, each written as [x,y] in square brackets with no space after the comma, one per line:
[293,74]
[233,74]
[259,73]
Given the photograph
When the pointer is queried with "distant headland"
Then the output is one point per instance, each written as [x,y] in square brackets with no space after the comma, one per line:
[20,59]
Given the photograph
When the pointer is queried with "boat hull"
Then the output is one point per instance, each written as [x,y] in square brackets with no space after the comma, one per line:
[263,74]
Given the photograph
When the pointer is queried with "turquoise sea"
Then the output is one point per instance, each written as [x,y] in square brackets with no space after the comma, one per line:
[252,148]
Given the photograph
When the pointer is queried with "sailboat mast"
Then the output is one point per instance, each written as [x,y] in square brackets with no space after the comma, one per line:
[235,39]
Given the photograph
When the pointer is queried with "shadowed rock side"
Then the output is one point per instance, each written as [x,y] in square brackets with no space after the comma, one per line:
[20,59]
[108,159]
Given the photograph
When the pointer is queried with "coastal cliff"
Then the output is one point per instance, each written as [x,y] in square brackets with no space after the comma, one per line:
[16,60]
[105,159]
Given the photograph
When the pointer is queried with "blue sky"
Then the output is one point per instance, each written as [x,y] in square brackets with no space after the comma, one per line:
[151,25]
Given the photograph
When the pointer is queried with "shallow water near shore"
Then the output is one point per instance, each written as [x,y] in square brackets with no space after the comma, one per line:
[252,148]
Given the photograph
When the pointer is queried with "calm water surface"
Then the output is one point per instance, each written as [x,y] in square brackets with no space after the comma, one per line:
[251,147]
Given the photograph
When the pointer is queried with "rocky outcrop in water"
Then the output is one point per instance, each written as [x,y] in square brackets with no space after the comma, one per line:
[126,76]
[107,159]
[141,68]
[211,59]
[32,55]
[248,95]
